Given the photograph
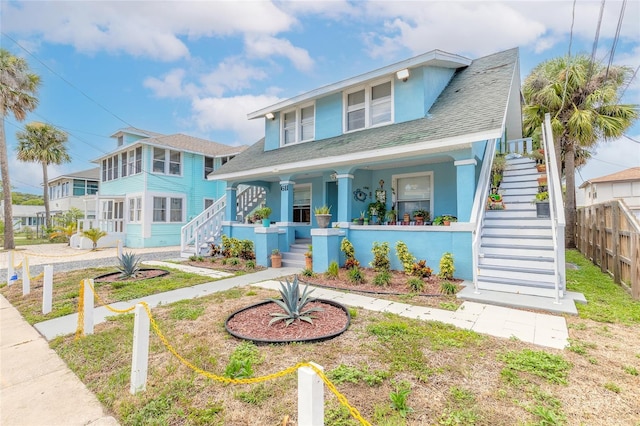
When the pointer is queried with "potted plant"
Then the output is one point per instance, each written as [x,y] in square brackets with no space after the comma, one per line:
[538,156]
[447,219]
[361,218]
[542,204]
[420,216]
[392,215]
[308,258]
[495,202]
[264,213]
[542,180]
[276,258]
[323,216]
[406,219]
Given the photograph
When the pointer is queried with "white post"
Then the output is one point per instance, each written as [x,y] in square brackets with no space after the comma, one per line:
[310,397]
[119,249]
[140,356]
[88,306]
[10,271]
[47,289]
[26,280]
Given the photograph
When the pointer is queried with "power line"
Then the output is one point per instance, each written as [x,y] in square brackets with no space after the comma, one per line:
[631,139]
[566,77]
[615,38]
[595,43]
[629,82]
[67,81]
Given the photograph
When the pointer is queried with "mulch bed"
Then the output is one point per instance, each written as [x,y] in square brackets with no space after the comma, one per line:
[219,266]
[142,274]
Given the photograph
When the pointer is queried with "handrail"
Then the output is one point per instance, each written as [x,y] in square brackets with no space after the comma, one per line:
[189,231]
[556,209]
[477,213]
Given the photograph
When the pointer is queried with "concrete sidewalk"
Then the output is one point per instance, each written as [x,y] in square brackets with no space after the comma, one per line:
[37,387]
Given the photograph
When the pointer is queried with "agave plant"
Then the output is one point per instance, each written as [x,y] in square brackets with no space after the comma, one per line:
[129,265]
[293,303]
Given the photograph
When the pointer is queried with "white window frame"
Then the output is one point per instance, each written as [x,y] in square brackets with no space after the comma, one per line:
[368,104]
[167,208]
[166,162]
[134,209]
[293,207]
[431,199]
[298,124]
[204,165]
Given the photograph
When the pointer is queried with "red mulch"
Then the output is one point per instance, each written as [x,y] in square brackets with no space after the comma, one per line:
[142,274]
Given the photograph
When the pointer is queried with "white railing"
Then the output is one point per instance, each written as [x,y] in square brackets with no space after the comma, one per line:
[207,226]
[106,225]
[479,202]
[556,207]
[518,146]
[204,227]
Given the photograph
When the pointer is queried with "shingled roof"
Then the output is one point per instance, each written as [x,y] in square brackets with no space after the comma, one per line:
[474,104]
[188,143]
[632,174]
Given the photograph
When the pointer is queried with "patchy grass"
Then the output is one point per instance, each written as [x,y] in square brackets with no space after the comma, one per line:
[608,302]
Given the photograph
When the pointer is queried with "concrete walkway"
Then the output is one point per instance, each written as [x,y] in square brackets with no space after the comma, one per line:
[37,387]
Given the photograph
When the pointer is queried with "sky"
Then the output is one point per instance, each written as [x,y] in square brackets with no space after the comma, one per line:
[199,67]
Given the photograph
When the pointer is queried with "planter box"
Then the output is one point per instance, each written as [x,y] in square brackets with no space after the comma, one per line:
[323,220]
[542,210]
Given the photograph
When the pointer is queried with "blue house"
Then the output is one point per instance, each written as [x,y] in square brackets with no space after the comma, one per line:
[151,185]
[419,134]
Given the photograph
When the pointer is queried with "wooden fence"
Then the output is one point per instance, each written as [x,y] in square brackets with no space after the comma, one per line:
[608,234]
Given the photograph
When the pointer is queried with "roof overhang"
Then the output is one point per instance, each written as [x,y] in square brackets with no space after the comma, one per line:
[435,58]
[396,153]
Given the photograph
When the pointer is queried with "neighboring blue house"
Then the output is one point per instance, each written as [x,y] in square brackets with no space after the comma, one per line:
[418,134]
[152,184]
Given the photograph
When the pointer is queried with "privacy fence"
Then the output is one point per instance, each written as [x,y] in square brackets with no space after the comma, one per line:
[608,234]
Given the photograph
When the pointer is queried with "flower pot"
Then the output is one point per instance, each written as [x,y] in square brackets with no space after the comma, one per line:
[360,221]
[419,220]
[308,263]
[542,209]
[446,222]
[542,168]
[266,223]
[276,261]
[542,181]
[406,218]
[323,220]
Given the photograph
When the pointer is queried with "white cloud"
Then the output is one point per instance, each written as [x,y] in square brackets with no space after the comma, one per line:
[611,157]
[232,74]
[140,28]
[169,86]
[211,114]
[266,46]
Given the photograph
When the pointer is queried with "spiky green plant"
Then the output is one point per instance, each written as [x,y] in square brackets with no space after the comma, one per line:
[129,265]
[293,303]
[94,234]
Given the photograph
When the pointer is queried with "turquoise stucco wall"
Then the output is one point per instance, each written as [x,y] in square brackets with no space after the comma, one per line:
[329,116]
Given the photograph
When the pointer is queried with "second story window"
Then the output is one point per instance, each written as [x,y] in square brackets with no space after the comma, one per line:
[368,107]
[298,125]
[166,161]
[208,166]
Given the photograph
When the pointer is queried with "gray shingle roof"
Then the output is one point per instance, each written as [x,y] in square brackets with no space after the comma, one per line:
[93,174]
[475,101]
[188,143]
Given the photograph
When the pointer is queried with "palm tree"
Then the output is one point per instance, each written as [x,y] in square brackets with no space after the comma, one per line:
[582,99]
[42,143]
[18,87]
[94,234]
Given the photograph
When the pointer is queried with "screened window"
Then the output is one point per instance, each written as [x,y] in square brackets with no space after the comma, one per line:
[414,192]
[298,125]
[159,209]
[176,210]
[368,107]
[158,160]
[135,209]
[302,203]
[174,162]
[208,166]
[166,161]
[123,157]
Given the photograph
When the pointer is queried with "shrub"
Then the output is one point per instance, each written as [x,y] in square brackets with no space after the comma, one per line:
[351,263]
[355,275]
[420,269]
[233,261]
[446,266]
[250,264]
[292,303]
[415,284]
[380,257]
[347,248]
[405,257]
[382,278]
[448,288]
[332,271]
[193,258]
[308,272]
[128,265]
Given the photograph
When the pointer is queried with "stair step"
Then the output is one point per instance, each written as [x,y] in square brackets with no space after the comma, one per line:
[520,287]
[519,163]
[293,264]
[502,249]
[505,272]
[519,184]
[292,256]
[543,263]
[516,221]
[518,206]
[529,191]
[503,214]
[516,241]
[495,231]
[520,173]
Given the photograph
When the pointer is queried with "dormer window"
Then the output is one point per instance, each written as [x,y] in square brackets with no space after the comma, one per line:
[298,125]
[368,107]
[120,140]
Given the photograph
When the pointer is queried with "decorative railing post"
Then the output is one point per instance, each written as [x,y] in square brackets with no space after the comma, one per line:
[47,290]
[140,355]
[310,397]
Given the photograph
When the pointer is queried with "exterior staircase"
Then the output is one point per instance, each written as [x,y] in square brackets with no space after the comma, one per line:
[294,258]
[206,228]
[516,248]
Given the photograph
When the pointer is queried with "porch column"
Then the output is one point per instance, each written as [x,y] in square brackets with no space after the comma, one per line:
[345,189]
[286,200]
[466,182]
[266,240]
[231,208]
[326,247]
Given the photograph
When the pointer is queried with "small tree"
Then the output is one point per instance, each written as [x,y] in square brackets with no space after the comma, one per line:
[94,234]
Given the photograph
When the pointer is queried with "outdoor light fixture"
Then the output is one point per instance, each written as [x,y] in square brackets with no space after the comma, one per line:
[403,74]
[270,116]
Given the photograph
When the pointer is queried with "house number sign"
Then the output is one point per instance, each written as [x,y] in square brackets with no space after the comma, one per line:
[284,187]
